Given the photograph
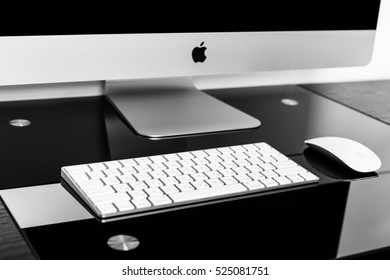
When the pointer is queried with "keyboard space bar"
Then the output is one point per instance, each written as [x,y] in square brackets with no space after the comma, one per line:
[207,193]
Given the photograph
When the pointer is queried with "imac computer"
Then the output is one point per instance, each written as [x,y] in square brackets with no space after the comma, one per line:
[146,54]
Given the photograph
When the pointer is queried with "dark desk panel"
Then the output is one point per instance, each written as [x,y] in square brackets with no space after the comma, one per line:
[301,223]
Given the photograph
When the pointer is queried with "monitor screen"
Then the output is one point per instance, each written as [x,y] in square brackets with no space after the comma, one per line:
[169,43]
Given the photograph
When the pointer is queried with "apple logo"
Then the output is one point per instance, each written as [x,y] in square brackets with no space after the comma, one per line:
[198,53]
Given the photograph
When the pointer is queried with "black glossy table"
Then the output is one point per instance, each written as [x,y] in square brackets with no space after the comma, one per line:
[344,216]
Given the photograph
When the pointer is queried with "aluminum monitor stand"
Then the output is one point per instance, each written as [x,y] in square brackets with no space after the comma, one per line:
[173,107]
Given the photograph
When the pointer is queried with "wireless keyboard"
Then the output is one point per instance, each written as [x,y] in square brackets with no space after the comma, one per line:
[136,185]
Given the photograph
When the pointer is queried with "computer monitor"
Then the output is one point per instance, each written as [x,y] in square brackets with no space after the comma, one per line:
[147,53]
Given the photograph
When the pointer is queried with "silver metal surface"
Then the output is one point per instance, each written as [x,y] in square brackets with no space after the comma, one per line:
[124,56]
[158,108]
[123,242]
[43,205]
[20,123]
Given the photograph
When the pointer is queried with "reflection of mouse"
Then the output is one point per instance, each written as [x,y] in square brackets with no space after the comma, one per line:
[353,154]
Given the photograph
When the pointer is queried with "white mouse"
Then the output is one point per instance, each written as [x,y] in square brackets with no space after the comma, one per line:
[353,154]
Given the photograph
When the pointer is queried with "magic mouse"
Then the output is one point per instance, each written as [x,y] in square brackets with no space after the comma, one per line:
[353,154]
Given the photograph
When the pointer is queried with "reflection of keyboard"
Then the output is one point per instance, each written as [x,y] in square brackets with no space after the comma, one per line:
[137,185]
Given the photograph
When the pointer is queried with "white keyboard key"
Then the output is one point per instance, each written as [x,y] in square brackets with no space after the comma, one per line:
[158,166]
[226,150]
[169,189]
[240,170]
[106,208]
[250,147]
[263,145]
[91,183]
[96,174]
[214,159]
[227,172]
[242,178]
[169,181]
[160,200]
[280,157]
[138,176]
[137,194]
[256,175]
[121,188]
[213,174]
[207,193]
[290,170]
[127,178]
[254,185]
[128,162]
[98,190]
[80,176]
[186,155]
[143,160]
[238,149]
[241,156]
[199,177]
[269,174]
[254,168]
[199,154]
[201,168]
[284,163]
[138,185]
[229,164]
[154,183]
[266,166]
[172,157]
[185,187]
[187,170]
[153,191]
[113,164]
[98,166]
[172,172]
[214,182]
[200,161]
[184,179]
[308,176]
[141,203]
[229,180]
[127,170]
[242,162]
[172,164]
[200,185]
[282,180]
[124,205]
[111,181]
[112,172]
[143,168]
[212,152]
[268,159]
[157,174]
[109,198]
[255,160]
[227,157]
[295,178]
[268,152]
[77,168]
[269,183]
[157,159]
[215,166]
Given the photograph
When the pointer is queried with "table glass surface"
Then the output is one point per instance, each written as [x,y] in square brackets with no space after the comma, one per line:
[343,215]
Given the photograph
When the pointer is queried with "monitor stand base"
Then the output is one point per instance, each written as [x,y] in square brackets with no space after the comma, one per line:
[173,107]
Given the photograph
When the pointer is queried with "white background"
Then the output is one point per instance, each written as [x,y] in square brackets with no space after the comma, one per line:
[378,69]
